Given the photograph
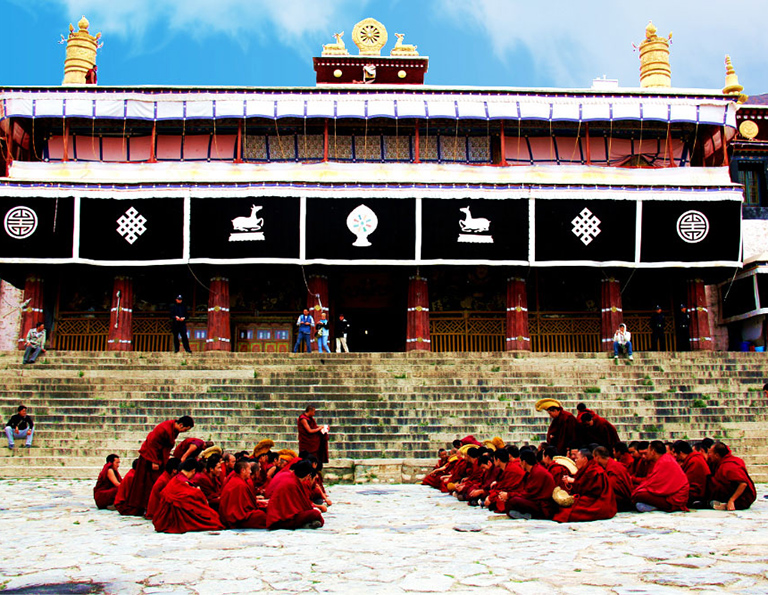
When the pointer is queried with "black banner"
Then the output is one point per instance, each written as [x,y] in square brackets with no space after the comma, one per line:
[141,229]
[249,227]
[474,229]
[37,227]
[585,230]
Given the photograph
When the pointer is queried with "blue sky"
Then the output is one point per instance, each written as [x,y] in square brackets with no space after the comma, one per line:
[550,43]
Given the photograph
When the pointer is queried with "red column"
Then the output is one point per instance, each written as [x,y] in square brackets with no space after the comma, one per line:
[219,338]
[417,338]
[317,300]
[612,313]
[32,312]
[120,337]
[518,336]
[701,334]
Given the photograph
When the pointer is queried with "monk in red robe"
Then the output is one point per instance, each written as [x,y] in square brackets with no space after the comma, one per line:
[313,438]
[105,490]
[479,490]
[432,478]
[621,454]
[289,506]
[471,440]
[666,487]
[209,480]
[121,497]
[473,476]
[171,469]
[593,497]
[643,462]
[510,478]
[596,430]
[534,499]
[153,454]
[190,447]
[621,480]
[732,487]
[556,466]
[696,469]
[458,472]
[562,429]
[183,506]
[239,507]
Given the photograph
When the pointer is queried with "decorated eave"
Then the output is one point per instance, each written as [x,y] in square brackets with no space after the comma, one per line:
[395,102]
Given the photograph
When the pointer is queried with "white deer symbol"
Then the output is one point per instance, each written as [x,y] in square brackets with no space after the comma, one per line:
[472,224]
[250,223]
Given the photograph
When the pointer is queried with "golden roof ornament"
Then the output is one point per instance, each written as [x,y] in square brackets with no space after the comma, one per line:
[749,129]
[402,49]
[655,70]
[732,86]
[369,36]
[336,49]
[81,53]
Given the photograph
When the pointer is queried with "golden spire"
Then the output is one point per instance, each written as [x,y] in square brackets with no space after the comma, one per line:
[732,85]
[81,53]
[655,70]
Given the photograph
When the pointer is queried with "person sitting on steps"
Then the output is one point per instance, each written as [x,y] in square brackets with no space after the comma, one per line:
[622,342]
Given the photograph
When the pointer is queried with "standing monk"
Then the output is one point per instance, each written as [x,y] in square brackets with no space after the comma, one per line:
[732,487]
[562,429]
[312,438]
[153,454]
[105,490]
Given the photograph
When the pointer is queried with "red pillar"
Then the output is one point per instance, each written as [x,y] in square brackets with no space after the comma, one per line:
[120,337]
[317,300]
[518,336]
[219,338]
[418,315]
[32,312]
[701,335]
[612,313]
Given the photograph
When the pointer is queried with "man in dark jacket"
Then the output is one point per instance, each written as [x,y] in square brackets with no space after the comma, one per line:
[20,426]
[657,330]
[682,329]
[179,324]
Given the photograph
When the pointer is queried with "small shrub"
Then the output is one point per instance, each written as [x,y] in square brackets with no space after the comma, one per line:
[698,403]
[496,369]
[401,376]
[80,374]
[592,389]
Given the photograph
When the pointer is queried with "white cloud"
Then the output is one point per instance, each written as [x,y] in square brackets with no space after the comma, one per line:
[570,42]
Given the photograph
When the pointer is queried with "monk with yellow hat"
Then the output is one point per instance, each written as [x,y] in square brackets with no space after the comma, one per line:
[562,428]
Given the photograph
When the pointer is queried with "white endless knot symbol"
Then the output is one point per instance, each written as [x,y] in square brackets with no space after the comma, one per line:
[586,227]
[20,222]
[692,227]
[131,225]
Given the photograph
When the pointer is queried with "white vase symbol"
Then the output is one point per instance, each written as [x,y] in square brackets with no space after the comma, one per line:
[362,222]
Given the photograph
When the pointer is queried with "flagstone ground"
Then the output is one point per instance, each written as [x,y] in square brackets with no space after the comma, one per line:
[377,539]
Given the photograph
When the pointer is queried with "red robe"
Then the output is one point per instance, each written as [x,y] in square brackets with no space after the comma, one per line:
[537,489]
[183,508]
[621,482]
[593,496]
[666,480]
[156,450]
[104,491]
[510,480]
[601,432]
[730,473]
[315,443]
[211,488]
[641,468]
[627,460]
[470,440]
[154,496]
[432,479]
[559,473]
[460,471]
[121,497]
[562,432]
[472,480]
[697,471]
[184,447]
[238,507]
[289,507]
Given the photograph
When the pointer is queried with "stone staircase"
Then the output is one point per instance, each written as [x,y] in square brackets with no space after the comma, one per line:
[389,412]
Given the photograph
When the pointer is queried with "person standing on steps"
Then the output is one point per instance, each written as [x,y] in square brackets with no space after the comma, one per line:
[682,329]
[313,438]
[657,330]
[622,341]
[321,332]
[305,323]
[179,317]
[342,330]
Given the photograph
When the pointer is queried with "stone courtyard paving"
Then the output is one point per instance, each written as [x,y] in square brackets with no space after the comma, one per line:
[377,539]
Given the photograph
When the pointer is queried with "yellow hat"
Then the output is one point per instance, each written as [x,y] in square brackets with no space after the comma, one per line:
[213,450]
[545,404]
[489,444]
[287,454]
[562,498]
[498,442]
[262,447]
[452,458]
[567,463]
[463,450]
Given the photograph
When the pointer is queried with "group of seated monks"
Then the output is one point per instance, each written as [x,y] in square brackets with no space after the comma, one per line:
[592,481]
[197,487]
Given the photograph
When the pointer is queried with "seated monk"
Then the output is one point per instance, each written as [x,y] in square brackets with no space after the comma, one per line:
[480,463]
[510,478]
[105,490]
[183,506]
[478,492]
[458,472]
[696,469]
[732,487]
[238,507]
[317,494]
[432,479]
[534,498]
[190,447]
[289,506]
[643,464]
[170,470]
[559,467]
[593,497]
[621,455]
[228,461]
[265,458]
[123,490]
[621,480]
[209,480]
[666,488]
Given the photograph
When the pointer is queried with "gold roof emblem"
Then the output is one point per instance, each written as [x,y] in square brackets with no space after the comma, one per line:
[369,36]
[748,129]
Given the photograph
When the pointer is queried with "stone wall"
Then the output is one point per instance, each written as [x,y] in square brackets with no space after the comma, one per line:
[10,315]
[718,331]
[755,234]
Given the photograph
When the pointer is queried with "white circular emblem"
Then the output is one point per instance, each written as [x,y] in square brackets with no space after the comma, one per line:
[692,227]
[20,222]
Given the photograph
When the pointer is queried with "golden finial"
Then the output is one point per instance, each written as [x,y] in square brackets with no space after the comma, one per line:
[732,86]
[83,24]
[81,53]
[655,70]
[650,30]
